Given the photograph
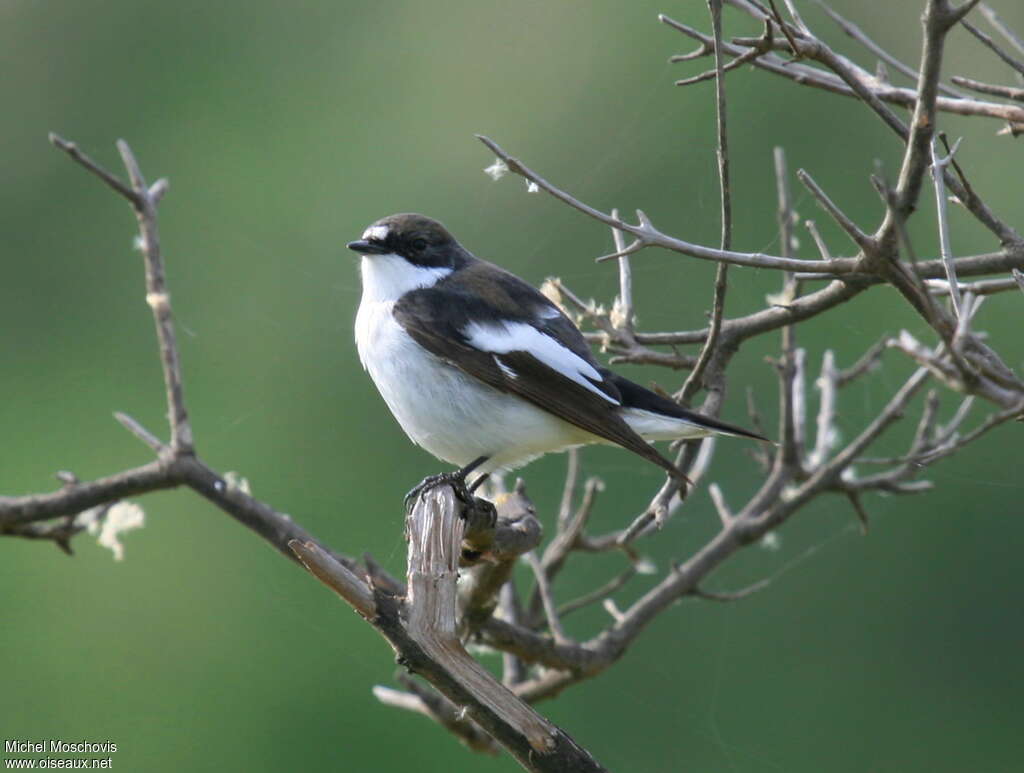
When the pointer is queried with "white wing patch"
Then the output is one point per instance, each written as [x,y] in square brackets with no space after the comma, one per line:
[550,312]
[378,232]
[504,368]
[505,337]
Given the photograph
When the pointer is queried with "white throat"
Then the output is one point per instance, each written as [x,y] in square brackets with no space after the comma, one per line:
[389,277]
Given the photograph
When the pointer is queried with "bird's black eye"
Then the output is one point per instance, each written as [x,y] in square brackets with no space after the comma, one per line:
[419,244]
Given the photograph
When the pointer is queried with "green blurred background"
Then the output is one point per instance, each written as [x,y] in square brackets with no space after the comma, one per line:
[284,129]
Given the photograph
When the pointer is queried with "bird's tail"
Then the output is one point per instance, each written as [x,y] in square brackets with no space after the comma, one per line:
[654,417]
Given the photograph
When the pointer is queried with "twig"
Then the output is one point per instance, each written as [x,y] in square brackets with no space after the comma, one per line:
[867,362]
[819,242]
[861,239]
[858,508]
[544,590]
[993,19]
[991,422]
[598,594]
[939,165]
[487,566]
[694,381]
[336,576]
[159,301]
[568,537]
[786,31]
[994,47]
[144,203]
[982,288]
[622,316]
[423,700]
[735,595]
[861,37]
[140,432]
[828,385]
[572,476]
[751,53]
[82,159]
[856,83]
[513,668]
[649,236]
[996,90]
[790,366]
[795,15]
[725,515]
[846,78]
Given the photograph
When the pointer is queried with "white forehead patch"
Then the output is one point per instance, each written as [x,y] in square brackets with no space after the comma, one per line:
[376,232]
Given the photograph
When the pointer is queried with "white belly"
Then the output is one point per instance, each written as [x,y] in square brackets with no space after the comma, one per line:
[448,413]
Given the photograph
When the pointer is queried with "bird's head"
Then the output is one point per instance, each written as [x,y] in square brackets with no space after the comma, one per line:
[421,241]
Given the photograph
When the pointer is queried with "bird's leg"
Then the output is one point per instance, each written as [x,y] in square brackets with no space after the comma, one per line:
[457,480]
[478,482]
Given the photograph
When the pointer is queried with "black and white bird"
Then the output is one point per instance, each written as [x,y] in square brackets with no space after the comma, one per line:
[482,370]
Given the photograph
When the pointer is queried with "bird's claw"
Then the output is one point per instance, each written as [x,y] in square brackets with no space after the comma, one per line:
[454,479]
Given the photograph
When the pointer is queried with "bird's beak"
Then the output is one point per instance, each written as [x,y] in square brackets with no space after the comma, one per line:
[364,247]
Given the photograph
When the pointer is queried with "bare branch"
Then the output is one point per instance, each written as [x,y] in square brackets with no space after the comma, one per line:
[735,595]
[939,165]
[79,157]
[598,594]
[993,19]
[424,632]
[993,421]
[336,576]
[544,591]
[861,37]
[694,381]
[994,47]
[488,565]
[818,241]
[1007,92]
[858,508]
[852,80]
[651,237]
[140,432]
[867,362]
[624,303]
[861,239]
[572,476]
[569,536]
[828,385]
[73,499]
[423,700]
[795,15]
[144,202]
[982,288]
[725,515]
[751,53]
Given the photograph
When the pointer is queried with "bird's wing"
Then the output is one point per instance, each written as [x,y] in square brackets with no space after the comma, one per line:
[524,345]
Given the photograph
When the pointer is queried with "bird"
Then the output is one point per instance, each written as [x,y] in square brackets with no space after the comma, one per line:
[486,373]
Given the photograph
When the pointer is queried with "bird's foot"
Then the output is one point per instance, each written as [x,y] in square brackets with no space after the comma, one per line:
[457,480]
